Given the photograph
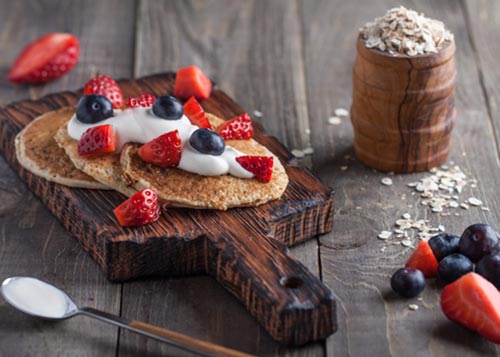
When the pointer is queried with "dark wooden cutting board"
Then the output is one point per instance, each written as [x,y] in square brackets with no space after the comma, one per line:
[244,249]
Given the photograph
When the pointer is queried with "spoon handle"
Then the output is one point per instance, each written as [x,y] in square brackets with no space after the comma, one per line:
[170,337]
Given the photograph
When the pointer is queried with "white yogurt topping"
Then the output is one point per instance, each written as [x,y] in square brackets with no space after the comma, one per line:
[36,297]
[140,125]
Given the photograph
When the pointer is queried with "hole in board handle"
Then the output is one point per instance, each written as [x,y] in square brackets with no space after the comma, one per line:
[291,282]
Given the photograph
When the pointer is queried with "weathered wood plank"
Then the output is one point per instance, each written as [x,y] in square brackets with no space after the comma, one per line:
[371,318]
[482,21]
[32,242]
[262,72]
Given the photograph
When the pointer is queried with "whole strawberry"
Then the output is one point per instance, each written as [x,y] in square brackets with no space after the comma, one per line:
[46,59]
[106,86]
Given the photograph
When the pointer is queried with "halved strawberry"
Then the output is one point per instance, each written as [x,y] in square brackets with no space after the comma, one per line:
[260,166]
[473,302]
[238,128]
[106,86]
[140,209]
[46,59]
[195,113]
[145,100]
[97,141]
[192,82]
[164,151]
[424,260]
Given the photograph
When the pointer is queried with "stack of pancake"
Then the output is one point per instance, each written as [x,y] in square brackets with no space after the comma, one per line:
[45,148]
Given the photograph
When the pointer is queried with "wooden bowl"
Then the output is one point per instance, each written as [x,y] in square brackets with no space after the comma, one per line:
[403,108]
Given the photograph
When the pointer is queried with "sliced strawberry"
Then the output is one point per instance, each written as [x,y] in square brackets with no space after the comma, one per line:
[195,113]
[145,100]
[424,260]
[46,59]
[164,151]
[97,141]
[473,302]
[238,128]
[192,82]
[106,86]
[260,166]
[140,209]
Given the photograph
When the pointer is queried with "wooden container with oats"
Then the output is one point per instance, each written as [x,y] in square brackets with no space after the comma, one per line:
[404,82]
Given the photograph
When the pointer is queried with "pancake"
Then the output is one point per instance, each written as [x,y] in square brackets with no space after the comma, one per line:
[185,189]
[38,152]
[105,169]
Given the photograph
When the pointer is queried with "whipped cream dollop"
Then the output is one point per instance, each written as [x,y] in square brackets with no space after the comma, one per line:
[140,125]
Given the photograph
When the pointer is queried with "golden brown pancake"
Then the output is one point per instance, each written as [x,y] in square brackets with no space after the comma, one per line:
[105,169]
[37,152]
[185,189]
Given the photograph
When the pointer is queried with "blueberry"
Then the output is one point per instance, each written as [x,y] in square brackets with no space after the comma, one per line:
[207,142]
[408,282]
[167,107]
[453,267]
[443,245]
[489,267]
[477,241]
[93,108]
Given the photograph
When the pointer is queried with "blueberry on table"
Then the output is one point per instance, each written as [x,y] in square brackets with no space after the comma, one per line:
[93,108]
[408,282]
[489,267]
[443,245]
[207,141]
[453,267]
[477,241]
[167,107]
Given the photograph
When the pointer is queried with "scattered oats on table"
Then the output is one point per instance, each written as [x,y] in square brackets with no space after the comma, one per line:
[386,181]
[341,112]
[257,113]
[413,307]
[334,120]
[343,168]
[384,235]
[298,153]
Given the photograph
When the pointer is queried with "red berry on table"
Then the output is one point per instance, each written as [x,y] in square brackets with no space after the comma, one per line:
[145,100]
[164,151]
[424,260]
[238,128]
[106,86]
[477,241]
[195,113]
[140,209]
[260,166]
[473,302]
[192,82]
[46,59]
[97,141]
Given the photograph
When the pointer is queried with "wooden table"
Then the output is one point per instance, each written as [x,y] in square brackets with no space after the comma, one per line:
[292,61]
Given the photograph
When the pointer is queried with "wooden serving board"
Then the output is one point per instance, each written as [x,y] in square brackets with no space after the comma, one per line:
[244,249]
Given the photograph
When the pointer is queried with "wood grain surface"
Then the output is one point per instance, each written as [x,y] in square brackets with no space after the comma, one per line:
[292,60]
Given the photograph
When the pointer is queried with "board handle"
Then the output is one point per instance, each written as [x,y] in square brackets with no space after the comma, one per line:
[292,304]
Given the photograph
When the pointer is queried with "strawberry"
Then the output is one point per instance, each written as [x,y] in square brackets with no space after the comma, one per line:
[424,260]
[106,86]
[140,209]
[46,59]
[164,151]
[97,141]
[192,82]
[238,128]
[260,166]
[144,100]
[473,302]
[195,113]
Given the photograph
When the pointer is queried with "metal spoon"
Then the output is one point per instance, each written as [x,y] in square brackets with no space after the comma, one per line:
[170,337]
